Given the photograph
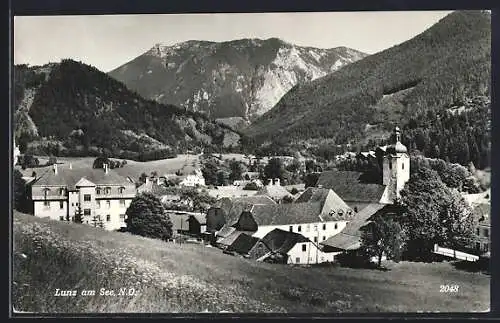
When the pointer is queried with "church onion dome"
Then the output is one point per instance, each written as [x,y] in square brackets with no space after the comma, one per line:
[397,147]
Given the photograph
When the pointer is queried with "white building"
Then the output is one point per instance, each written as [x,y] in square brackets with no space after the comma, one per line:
[316,215]
[16,153]
[102,195]
[193,179]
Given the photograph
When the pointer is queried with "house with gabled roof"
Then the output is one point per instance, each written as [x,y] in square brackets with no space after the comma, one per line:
[280,246]
[102,195]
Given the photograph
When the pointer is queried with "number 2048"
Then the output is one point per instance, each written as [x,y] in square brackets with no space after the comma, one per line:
[448,288]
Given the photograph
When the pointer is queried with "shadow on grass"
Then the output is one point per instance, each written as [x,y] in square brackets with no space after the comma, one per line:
[482,266]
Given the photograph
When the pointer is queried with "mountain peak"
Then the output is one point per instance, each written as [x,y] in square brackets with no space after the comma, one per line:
[235,78]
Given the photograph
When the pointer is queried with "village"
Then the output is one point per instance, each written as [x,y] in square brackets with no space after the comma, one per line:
[249,215]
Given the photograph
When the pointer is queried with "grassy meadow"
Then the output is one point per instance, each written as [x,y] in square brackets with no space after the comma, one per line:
[133,169]
[168,277]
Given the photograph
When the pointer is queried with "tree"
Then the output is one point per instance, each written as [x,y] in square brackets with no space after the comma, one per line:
[433,214]
[287,199]
[19,194]
[143,177]
[52,160]
[274,169]
[252,186]
[294,167]
[78,215]
[222,178]
[310,166]
[209,172]
[382,236]
[100,161]
[146,217]
[236,170]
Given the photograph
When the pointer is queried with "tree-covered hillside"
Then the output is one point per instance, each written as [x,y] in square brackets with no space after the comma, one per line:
[81,110]
[439,68]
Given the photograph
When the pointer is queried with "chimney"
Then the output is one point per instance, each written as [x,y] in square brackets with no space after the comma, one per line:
[54,167]
[105,166]
[147,179]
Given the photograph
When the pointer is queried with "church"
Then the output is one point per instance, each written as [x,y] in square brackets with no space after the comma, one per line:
[368,197]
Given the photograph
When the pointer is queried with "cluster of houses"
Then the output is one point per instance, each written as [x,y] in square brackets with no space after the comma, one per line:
[313,227]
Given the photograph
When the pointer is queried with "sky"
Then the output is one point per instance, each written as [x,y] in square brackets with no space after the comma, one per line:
[107,42]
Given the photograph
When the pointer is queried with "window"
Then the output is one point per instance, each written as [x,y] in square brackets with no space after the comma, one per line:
[61,218]
[61,205]
[478,246]
[324,226]
[122,202]
[46,204]
[315,227]
[72,204]
[108,217]
[486,247]
[108,190]
[304,247]
[299,228]
[486,233]
[324,238]
[336,226]
[122,217]
[402,165]
[98,190]
[108,204]
[86,212]
[297,260]
[61,191]
[390,164]
[121,190]
[477,231]
[307,228]
[290,228]
[86,197]
[98,204]
[315,239]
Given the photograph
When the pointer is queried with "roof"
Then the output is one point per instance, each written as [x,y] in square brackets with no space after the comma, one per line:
[70,177]
[243,243]
[329,200]
[231,238]
[153,187]
[274,191]
[179,221]
[282,241]
[350,237]
[351,186]
[225,231]
[282,214]
[233,207]
[201,218]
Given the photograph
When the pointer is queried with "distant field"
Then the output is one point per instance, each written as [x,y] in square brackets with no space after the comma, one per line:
[191,278]
[132,169]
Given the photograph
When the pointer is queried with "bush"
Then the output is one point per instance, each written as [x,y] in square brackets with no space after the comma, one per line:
[146,216]
[251,187]
[294,191]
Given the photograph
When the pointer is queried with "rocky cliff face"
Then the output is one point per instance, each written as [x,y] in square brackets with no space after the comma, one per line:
[241,78]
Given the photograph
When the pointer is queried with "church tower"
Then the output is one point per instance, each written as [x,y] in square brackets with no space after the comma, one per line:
[396,169]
